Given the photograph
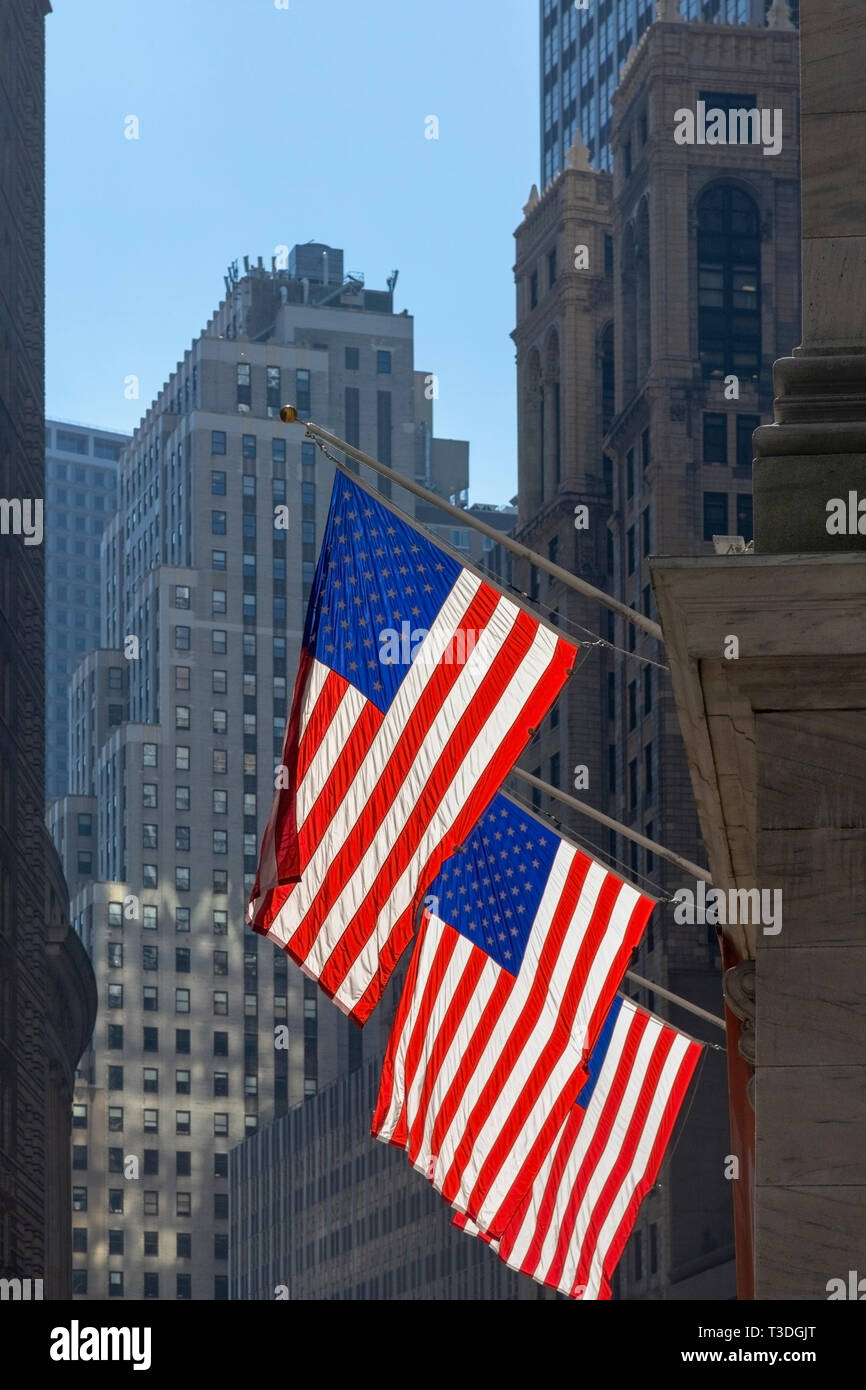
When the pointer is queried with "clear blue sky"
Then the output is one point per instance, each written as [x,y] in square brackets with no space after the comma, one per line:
[262,126]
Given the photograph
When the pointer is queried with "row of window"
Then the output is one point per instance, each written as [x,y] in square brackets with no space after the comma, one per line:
[249,446]
[182,835]
[219,485]
[150,1121]
[183,1200]
[150,959]
[150,793]
[150,1000]
[715,438]
[150,918]
[183,1246]
[150,1163]
[150,1285]
[150,1085]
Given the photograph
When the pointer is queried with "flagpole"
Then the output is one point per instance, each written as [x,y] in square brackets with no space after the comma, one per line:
[635,835]
[676,999]
[289,416]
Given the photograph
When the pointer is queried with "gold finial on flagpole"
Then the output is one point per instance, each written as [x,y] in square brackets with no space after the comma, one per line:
[288,415]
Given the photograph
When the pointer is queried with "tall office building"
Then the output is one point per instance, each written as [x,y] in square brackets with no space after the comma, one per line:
[176,724]
[47,994]
[80,495]
[319,1210]
[584,46]
[641,296]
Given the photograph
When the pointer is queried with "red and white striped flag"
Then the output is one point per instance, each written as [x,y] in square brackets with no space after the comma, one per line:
[512,977]
[572,1226]
[419,686]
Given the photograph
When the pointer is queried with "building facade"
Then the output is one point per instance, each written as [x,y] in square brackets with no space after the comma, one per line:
[320,1210]
[80,495]
[176,726]
[583,47]
[47,994]
[664,346]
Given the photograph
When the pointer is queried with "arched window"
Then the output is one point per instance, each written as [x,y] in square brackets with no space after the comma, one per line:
[729,283]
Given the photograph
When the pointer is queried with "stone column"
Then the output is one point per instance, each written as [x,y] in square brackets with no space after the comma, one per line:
[816,449]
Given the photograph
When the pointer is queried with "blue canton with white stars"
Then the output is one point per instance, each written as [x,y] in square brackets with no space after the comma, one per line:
[375,572]
[491,892]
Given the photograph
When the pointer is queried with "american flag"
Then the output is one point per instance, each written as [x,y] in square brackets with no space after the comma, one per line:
[387,764]
[572,1226]
[517,962]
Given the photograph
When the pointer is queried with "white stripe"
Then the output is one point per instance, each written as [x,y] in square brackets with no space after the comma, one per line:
[487,982]
[539,1037]
[561,1077]
[581,1143]
[637,1169]
[471,771]
[385,739]
[338,733]
[604,1165]
[426,954]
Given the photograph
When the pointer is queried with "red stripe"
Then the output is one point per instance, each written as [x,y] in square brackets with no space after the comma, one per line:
[439,966]
[390,779]
[437,1050]
[362,925]
[541,1146]
[559,1038]
[386,1084]
[600,1137]
[330,695]
[549,1199]
[343,767]
[657,1153]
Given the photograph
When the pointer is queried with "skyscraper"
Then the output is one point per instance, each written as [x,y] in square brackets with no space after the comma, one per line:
[583,47]
[80,496]
[651,304]
[176,724]
[47,994]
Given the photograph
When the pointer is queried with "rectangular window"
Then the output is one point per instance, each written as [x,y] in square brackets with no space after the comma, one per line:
[220,1124]
[115,955]
[148,755]
[181,919]
[272,390]
[715,437]
[181,1041]
[219,760]
[217,441]
[383,362]
[744,516]
[150,957]
[218,523]
[220,721]
[629,473]
[220,842]
[218,559]
[244,388]
[181,1001]
[219,641]
[248,446]
[218,482]
[278,450]
[220,962]
[151,1122]
[182,677]
[115,996]
[182,716]
[630,549]
[181,960]
[220,922]
[149,876]
[220,1083]
[181,1122]
[746,426]
[181,878]
[648,769]
[715,514]
[181,803]
[302,393]
[150,1079]
[220,1001]
[150,1039]
[181,758]
[632,784]
[632,705]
